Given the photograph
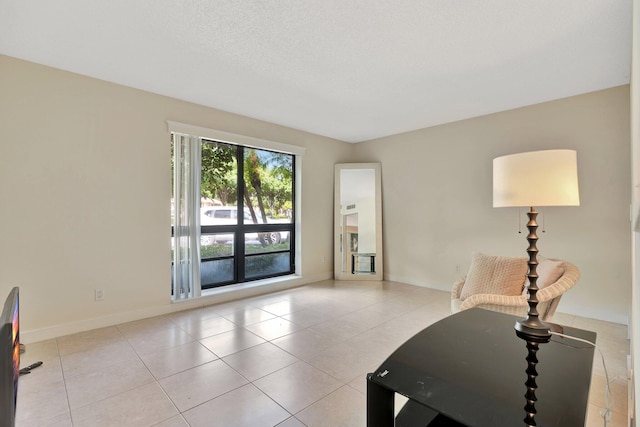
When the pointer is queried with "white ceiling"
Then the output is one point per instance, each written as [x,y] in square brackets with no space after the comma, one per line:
[348,69]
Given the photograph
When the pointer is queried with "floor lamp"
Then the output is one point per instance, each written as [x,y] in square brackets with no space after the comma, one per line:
[537,178]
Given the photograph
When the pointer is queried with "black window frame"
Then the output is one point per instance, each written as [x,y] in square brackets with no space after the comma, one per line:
[238,230]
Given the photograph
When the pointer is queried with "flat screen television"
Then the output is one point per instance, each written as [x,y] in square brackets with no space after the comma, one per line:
[9,358]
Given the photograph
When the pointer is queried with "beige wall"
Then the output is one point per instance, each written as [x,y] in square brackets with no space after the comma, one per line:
[437,197]
[85,190]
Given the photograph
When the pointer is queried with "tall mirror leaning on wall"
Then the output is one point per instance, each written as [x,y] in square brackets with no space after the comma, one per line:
[358,222]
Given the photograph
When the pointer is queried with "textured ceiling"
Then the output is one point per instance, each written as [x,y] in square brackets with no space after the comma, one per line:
[349,69]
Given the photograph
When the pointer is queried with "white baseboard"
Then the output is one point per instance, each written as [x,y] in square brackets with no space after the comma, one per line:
[412,281]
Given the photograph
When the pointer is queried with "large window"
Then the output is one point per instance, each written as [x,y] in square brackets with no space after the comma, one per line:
[243,229]
[246,214]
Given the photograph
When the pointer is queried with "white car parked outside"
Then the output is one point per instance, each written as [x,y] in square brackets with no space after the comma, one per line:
[228,215]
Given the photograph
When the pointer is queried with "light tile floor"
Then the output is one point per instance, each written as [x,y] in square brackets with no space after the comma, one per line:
[288,359]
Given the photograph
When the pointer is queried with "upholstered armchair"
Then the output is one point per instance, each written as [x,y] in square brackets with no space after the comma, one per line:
[499,283]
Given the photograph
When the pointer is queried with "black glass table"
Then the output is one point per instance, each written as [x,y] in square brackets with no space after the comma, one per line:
[469,370]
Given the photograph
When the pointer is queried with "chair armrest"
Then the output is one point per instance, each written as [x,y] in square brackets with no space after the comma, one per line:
[457,288]
[491,299]
[562,285]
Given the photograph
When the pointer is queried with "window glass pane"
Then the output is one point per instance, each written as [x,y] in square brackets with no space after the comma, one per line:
[216,245]
[211,238]
[268,241]
[268,180]
[219,184]
[266,265]
[215,272]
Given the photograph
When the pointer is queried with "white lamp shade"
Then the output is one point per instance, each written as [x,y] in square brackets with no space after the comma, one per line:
[536,178]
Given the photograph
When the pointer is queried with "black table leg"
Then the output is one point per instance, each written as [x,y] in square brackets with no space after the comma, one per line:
[379,405]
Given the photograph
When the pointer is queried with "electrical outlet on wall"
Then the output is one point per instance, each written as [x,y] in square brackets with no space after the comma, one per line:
[99,295]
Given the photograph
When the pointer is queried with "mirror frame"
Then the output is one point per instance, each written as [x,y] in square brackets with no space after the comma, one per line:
[337,222]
